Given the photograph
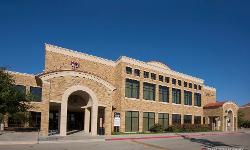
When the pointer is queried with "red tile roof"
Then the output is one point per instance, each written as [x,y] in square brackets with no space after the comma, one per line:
[214,105]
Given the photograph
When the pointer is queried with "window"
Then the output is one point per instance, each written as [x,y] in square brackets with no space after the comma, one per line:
[21,88]
[197,119]
[167,79]
[176,119]
[179,82]
[146,74]
[137,72]
[148,91]
[195,86]
[187,98]
[185,84]
[163,120]
[161,78]
[131,121]
[128,70]
[204,120]
[173,81]
[199,87]
[163,94]
[153,76]
[37,93]
[35,119]
[197,99]
[190,85]
[187,119]
[176,94]
[132,88]
[148,120]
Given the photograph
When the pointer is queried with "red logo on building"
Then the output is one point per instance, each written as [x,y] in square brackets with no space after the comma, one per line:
[74,65]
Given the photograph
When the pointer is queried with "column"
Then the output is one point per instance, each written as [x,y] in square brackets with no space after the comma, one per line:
[5,119]
[94,114]
[140,121]
[108,120]
[63,119]
[170,119]
[44,123]
[156,117]
[86,120]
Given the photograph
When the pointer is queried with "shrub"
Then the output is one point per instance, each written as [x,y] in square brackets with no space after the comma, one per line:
[157,128]
[246,124]
[188,128]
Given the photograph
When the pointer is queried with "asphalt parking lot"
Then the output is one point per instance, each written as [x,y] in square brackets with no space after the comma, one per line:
[234,141]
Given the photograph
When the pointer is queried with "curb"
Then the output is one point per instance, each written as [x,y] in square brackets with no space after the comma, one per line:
[172,136]
[18,142]
[72,141]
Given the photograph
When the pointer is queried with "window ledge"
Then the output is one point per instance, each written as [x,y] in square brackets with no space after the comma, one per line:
[133,99]
[176,104]
[198,106]
[188,105]
[149,101]
[36,102]
[164,102]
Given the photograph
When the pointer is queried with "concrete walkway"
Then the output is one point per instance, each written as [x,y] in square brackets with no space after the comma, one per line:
[14,138]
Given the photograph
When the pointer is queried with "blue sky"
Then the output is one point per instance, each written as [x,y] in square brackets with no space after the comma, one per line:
[206,39]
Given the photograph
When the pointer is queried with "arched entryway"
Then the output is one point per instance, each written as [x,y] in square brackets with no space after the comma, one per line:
[229,121]
[79,110]
[75,112]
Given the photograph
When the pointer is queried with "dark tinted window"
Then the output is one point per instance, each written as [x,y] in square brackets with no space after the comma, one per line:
[173,81]
[153,76]
[37,93]
[128,70]
[146,74]
[161,78]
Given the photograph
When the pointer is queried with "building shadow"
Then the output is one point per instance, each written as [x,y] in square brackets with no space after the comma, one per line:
[208,143]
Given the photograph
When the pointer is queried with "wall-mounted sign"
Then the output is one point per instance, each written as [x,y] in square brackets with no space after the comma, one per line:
[117,119]
[74,65]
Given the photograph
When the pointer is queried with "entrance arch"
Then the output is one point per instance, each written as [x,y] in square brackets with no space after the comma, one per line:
[229,120]
[90,107]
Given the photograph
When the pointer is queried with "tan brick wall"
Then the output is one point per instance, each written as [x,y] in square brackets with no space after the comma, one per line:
[115,75]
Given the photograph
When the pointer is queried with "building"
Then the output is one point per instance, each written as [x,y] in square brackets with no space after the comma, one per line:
[246,110]
[77,91]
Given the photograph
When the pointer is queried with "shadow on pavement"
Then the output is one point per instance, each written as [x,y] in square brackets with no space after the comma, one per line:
[208,143]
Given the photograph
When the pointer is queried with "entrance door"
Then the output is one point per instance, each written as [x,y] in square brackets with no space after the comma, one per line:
[75,121]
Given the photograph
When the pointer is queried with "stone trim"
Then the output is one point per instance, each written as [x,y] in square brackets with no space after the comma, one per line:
[125,59]
[51,75]
[69,52]
[160,69]
[19,73]
[230,103]
[209,88]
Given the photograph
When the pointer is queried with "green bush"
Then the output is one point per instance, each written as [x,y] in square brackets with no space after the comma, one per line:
[189,128]
[245,124]
[156,128]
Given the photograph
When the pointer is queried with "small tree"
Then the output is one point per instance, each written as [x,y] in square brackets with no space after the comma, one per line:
[11,99]
[240,118]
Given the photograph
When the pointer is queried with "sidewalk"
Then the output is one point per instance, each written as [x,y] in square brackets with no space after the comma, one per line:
[166,135]
[11,137]
[15,138]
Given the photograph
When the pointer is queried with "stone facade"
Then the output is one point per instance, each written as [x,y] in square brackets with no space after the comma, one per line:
[104,81]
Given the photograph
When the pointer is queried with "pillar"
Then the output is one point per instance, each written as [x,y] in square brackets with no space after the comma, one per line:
[94,114]
[86,120]
[107,120]
[63,119]
[140,121]
[44,123]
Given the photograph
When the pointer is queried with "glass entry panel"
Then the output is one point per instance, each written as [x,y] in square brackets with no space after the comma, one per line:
[132,121]
[75,121]
[148,120]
